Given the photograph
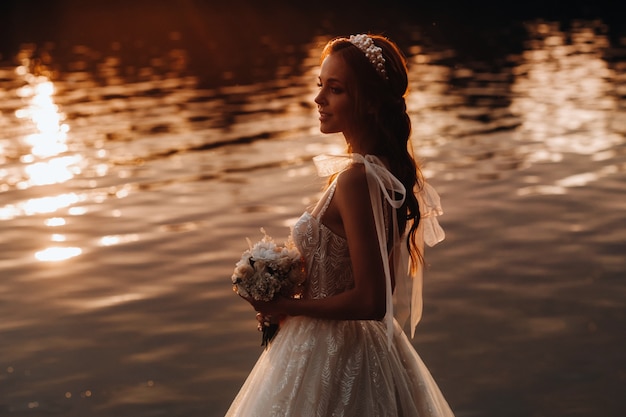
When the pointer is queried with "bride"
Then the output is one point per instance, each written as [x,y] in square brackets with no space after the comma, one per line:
[339,350]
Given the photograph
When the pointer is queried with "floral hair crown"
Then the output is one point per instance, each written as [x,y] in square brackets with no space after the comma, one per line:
[373,53]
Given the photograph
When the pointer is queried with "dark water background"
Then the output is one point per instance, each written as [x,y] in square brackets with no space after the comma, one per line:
[141,141]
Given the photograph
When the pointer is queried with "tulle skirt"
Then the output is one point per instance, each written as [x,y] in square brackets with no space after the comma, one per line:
[323,368]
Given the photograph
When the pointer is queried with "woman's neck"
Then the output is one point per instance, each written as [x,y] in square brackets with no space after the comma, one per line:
[361,144]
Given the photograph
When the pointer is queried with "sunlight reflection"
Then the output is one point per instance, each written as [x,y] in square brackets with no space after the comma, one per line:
[40,206]
[577,180]
[118,239]
[58,237]
[49,138]
[562,88]
[54,171]
[541,190]
[581,180]
[49,204]
[428,99]
[111,300]
[55,221]
[56,254]
[77,211]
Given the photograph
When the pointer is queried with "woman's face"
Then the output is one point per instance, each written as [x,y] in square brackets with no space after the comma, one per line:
[335,104]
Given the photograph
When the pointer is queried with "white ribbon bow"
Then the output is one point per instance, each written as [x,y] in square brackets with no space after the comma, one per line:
[408,292]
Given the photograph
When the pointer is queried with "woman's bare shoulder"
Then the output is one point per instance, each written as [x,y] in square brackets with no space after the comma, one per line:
[352,176]
[352,184]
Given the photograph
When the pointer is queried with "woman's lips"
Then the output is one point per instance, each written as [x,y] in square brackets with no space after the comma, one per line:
[324,116]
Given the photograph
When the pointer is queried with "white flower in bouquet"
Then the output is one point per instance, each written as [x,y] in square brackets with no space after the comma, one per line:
[267,269]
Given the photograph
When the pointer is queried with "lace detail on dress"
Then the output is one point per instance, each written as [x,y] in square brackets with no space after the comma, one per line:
[328,266]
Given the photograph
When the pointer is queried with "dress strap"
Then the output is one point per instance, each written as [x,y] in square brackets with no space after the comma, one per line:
[328,196]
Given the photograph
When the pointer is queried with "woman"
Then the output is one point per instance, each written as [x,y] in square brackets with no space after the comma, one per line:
[339,351]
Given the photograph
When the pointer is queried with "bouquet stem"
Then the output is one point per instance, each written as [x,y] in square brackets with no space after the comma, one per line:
[269,331]
[268,326]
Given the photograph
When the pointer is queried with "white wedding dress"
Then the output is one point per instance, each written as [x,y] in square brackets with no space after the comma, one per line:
[349,368]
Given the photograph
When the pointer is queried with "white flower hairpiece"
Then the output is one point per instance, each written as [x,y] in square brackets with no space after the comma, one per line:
[372,52]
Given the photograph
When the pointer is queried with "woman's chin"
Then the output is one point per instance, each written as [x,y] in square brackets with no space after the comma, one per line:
[327,129]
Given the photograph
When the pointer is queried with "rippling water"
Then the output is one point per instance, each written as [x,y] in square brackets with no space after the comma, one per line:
[127,187]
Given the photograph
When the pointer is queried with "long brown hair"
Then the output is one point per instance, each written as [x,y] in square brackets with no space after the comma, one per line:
[380,109]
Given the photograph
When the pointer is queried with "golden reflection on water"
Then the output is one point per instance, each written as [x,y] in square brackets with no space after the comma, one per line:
[576,180]
[109,301]
[56,253]
[49,204]
[563,94]
[558,97]
[57,237]
[55,222]
[39,205]
[49,138]
[54,171]
[44,157]
[118,239]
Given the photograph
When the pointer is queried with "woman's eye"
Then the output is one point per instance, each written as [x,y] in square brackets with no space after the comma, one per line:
[333,90]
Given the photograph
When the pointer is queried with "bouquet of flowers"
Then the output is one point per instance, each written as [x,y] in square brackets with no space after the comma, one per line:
[267,270]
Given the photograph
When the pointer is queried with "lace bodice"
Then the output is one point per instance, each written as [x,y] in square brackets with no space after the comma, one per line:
[328,267]
[329,270]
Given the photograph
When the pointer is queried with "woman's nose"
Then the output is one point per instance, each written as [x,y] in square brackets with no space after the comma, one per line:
[319,99]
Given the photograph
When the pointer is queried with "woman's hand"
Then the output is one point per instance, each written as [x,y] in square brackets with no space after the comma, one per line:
[275,307]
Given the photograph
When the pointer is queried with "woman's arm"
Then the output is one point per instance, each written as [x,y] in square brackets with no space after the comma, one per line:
[366,301]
